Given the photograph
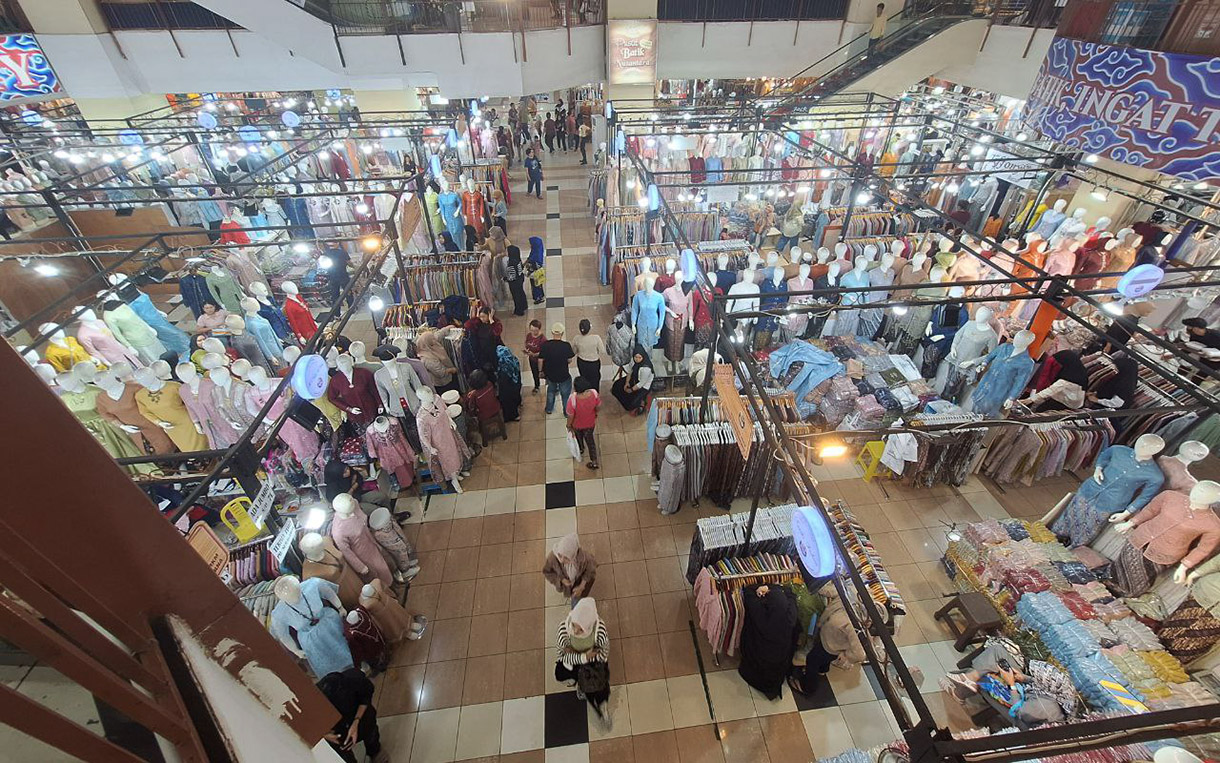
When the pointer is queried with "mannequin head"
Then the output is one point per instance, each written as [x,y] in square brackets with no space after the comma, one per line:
[186,372]
[753,261]
[936,275]
[345,364]
[290,288]
[241,368]
[861,264]
[794,254]
[711,280]
[1192,451]
[235,324]
[1102,223]
[122,371]
[650,281]
[945,244]
[722,262]
[1204,494]
[87,316]
[1060,205]
[1078,213]
[312,545]
[982,317]
[332,357]
[149,380]
[957,292]
[249,306]
[357,351]
[291,353]
[344,505]
[110,384]
[803,271]
[85,370]
[380,518]
[772,259]
[287,588]
[1021,341]
[1148,445]
[670,265]
[823,255]
[258,288]
[211,361]
[747,276]
[221,377]
[887,261]
[832,272]
[1032,237]
[162,370]
[840,251]
[57,335]
[258,377]
[427,398]
[645,264]
[777,275]
[870,253]
[68,382]
[897,248]
[453,410]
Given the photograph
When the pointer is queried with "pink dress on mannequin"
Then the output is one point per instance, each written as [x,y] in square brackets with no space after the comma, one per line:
[393,451]
[436,431]
[203,410]
[303,443]
[99,342]
[354,539]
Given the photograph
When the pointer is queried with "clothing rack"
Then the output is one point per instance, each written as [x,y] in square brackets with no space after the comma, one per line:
[867,561]
[719,600]
[723,536]
[1038,451]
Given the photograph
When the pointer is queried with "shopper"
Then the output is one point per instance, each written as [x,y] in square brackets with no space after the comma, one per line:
[211,318]
[632,390]
[790,230]
[341,478]
[548,131]
[499,210]
[351,693]
[535,268]
[571,132]
[483,331]
[561,131]
[582,657]
[533,173]
[878,29]
[533,346]
[482,404]
[447,242]
[589,349]
[514,275]
[473,240]
[582,418]
[570,569]
[584,132]
[508,383]
[436,360]
[556,354]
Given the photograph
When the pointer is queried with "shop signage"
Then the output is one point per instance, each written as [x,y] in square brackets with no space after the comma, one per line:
[1146,108]
[1014,169]
[207,120]
[1140,280]
[734,408]
[290,118]
[814,545]
[205,542]
[283,540]
[261,506]
[24,69]
[633,51]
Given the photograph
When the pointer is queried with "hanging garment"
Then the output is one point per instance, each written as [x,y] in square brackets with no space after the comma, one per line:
[355,541]
[399,393]
[447,453]
[225,290]
[364,638]
[131,330]
[268,341]
[201,406]
[247,346]
[331,567]
[773,297]
[647,316]
[173,338]
[100,342]
[450,204]
[395,543]
[232,233]
[359,391]
[83,406]
[300,318]
[304,443]
[474,206]
[620,341]
[391,618]
[243,265]
[125,411]
[315,627]
[393,451]
[275,316]
[1170,531]
[231,404]
[1127,484]
[677,302]
[63,356]
[769,637]
[1006,375]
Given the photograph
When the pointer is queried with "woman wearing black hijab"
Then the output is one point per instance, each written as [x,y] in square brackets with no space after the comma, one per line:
[1067,384]
[472,238]
[341,478]
[632,390]
[1121,386]
[448,243]
[514,274]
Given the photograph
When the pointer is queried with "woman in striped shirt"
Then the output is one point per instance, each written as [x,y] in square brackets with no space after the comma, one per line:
[583,655]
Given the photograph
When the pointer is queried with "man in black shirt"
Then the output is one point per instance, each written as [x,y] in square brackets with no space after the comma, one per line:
[351,692]
[556,354]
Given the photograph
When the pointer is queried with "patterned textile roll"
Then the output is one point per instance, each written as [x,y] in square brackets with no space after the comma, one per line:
[1190,631]
[1133,574]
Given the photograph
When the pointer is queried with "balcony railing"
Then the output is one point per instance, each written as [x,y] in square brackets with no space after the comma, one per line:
[374,17]
[1189,26]
[750,10]
[163,14]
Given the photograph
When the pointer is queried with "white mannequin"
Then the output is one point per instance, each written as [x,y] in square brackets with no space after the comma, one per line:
[240,368]
[841,252]
[46,372]
[86,371]
[114,389]
[1202,496]
[259,290]
[357,350]
[887,261]
[189,376]
[823,255]
[263,383]
[1191,451]
[292,292]
[221,378]
[149,380]
[777,276]
[332,357]
[69,383]
[803,272]
[860,265]
[287,589]
[313,546]
[971,343]
[427,399]
[291,353]
[1103,223]
[344,505]
[670,267]
[1146,446]
[870,253]
[772,259]
[249,306]
[897,248]
[346,366]
[123,371]
[214,346]
[918,260]
[746,291]
[832,273]
[722,262]
[162,369]
[236,325]
[1071,226]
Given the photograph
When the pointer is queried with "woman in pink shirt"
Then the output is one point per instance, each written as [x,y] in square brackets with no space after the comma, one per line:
[582,417]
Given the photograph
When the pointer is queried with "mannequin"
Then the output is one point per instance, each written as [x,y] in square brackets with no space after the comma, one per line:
[359,352]
[774,293]
[847,321]
[974,340]
[450,205]
[944,256]
[98,340]
[915,271]
[474,207]
[1124,481]
[87,371]
[197,396]
[881,275]
[245,267]
[394,621]
[698,366]
[725,278]
[669,277]
[159,401]
[1176,468]
[118,405]
[300,319]
[397,382]
[264,335]
[173,338]
[447,453]
[746,298]
[647,313]
[1009,367]
[1070,227]
[385,441]
[394,543]
[224,289]
[350,531]
[1164,533]
[947,320]
[229,399]
[269,310]
[644,274]
[906,332]
[841,257]
[798,320]
[828,280]
[678,318]
[259,392]
[1049,221]
[81,399]
[245,344]
[64,351]
[353,391]
[323,560]
[307,627]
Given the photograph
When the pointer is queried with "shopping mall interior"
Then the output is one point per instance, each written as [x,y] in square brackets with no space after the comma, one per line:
[578,381]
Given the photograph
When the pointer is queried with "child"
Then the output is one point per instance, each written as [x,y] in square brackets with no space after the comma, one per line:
[582,417]
[533,345]
[482,403]
[535,268]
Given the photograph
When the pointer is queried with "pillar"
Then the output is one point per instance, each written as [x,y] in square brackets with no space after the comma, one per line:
[626,10]
[63,16]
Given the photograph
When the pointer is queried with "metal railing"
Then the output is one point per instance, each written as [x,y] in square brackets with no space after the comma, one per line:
[374,17]
[1165,25]
[750,10]
[165,14]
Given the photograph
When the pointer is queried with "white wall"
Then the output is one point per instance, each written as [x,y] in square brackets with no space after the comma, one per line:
[775,49]
[1003,66]
[959,44]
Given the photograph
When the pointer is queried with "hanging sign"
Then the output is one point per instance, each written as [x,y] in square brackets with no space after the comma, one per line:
[25,71]
[249,133]
[1011,168]
[813,541]
[734,408]
[1140,280]
[633,51]
[290,118]
[260,507]
[203,539]
[310,377]
[31,117]
[283,540]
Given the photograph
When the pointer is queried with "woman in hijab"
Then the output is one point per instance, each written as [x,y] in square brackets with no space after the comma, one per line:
[508,383]
[472,238]
[1067,383]
[514,273]
[1119,390]
[496,246]
[570,569]
[436,360]
[536,269]
[582,647]
[341,478]
[484,330]
[632,390]
[447,242]
[483,280]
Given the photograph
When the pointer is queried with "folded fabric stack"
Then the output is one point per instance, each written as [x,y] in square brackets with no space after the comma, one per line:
[1139,674]
[1015,528]
[1082,609]
[1042,610]
[1040,533]
[1088,673]
[1053,576]
[1036,551]
[985,533]
[1187,694]
[1101,632]
[1166,666]
[1076,572]
[1136,635]
[1026,579]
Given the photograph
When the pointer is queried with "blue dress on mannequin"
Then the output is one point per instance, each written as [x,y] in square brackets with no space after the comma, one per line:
[1126,483]
[647,315]
[450,204]
[174,338]
[316,628]
[1007,374]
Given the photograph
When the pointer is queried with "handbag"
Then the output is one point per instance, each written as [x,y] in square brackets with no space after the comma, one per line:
[593,678]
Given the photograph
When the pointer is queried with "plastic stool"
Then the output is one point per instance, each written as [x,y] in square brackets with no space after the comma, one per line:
[870,460]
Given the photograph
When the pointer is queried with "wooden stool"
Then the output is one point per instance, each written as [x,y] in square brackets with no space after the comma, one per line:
[979,616]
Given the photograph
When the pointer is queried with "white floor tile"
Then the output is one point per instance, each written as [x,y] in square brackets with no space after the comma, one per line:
[530,498]
[557,447]
[687,701]
[828,732]
[560,522]
[618,711]
[851,686]
[649,707]
[441,507]
[590,492]
[559,469]
[553,616]
[782,704]
[923,657]
[619,489]
[730,696]
[479,731]
[869,724]
[436,734]
[472,503]
[573,753]
[397,734]
[501,500]
[556,429]
[522,725]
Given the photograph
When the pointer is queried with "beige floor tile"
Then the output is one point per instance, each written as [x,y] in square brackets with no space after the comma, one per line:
[618,709]
[559,469]
[522,725]
[436,733]
[397,734]
[649,707]
[530,498]
[619,489]
[687,701]
[479,730]
[560,522]
[472,503]
[590,492]
[782,704]
[827,730]
[501,500]
[869,724]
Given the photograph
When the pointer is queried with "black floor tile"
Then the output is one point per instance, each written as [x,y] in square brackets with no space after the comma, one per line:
[552,188]
[560,495]
[822,696]
[554,301]
[554,252]
[567,721]
[552,215]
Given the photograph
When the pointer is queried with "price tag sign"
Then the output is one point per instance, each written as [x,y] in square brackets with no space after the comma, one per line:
[261,506]
[283,540]
[226,577]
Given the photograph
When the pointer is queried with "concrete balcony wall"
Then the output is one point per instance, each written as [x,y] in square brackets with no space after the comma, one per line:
[729,49]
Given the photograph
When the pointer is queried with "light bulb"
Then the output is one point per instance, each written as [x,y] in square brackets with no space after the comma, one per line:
[864,197]
[900,310]
[314,519]
[826,172]
[107,157]
[643,202]
[45,269]
[976,150]
[751,197]
[376,303]
[362,208]
[1200,186]
[1022,137]
[1114,308]
[630,184]
[371,243]
[325,262]
[366,149]
[300,248]
[1099,194]
[953,187]
[770,192]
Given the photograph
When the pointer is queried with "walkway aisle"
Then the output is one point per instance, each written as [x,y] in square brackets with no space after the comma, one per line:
[480,685]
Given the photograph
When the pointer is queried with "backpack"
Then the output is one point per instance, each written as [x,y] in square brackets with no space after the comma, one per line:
[593,678]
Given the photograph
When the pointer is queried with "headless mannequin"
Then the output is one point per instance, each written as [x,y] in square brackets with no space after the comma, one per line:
[99,341]
[1005,386]
[191,381]
[973,341]
[847,321]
